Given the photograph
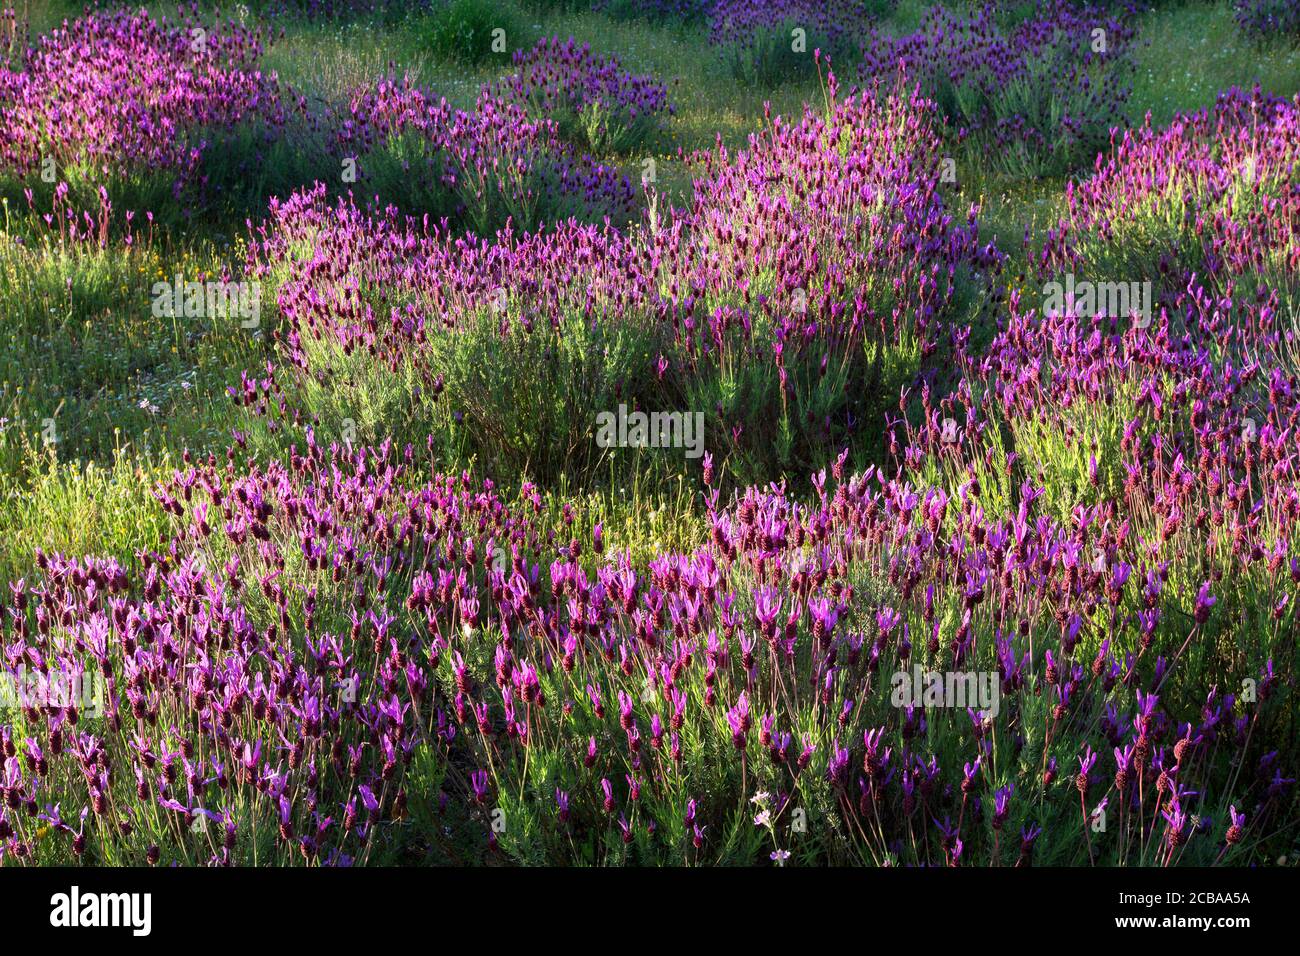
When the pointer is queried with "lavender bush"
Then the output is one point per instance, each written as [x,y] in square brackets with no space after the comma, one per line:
[789,284]
[482,168]
[592,99]
[157,112]
[1269,19]
[548,691]
[1209,201]
[1036,99]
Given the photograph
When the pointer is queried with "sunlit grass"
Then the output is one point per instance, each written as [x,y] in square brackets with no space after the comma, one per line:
[1195,50]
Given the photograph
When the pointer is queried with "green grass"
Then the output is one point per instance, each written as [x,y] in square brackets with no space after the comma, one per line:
[82,348]
[44,15]
[1195,51]
[79,509]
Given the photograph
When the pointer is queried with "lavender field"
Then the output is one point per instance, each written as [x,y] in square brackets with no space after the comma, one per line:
[650,433]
